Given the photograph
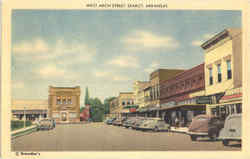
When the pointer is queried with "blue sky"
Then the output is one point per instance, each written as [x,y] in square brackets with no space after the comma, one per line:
[106,50]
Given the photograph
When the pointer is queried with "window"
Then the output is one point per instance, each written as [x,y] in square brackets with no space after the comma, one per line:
[128,103]
[239,108]
[210,76]
[123,103]
[69,100]
[219,72]
[72,115]
[229,71]
[64,100]
[55,115]
[58,100]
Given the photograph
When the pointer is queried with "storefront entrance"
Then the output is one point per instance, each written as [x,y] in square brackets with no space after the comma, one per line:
[64,116]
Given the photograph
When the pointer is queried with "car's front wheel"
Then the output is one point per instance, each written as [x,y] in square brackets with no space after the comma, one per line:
[213,136]
[225,142]
[156,129]
[193,137]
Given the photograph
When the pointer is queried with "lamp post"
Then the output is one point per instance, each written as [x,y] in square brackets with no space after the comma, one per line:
[24,118]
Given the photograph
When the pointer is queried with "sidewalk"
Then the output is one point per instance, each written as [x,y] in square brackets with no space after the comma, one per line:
[23,131]
[179,129]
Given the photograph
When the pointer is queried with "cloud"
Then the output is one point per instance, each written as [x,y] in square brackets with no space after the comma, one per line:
[52,71]
[17,84]
[153,66]
[197,42]
[205,37]
[36,46]
[120,78]
[110,75]
[143,40]
[101,73]
[125,61]
[69,53]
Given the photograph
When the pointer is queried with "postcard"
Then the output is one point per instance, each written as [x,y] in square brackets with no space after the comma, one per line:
[136,79]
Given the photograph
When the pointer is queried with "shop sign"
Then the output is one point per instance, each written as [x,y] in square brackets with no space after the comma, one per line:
[132,109]
[204,100]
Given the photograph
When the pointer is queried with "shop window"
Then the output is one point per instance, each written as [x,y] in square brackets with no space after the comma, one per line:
[229,70]
[239,108]
[219,72]
[58,100]
[64,100]
[210,76]
[232,109]
[69,100]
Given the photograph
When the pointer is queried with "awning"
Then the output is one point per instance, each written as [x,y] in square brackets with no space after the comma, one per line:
[125,111]
[183,105]
[223,104]
[130,106]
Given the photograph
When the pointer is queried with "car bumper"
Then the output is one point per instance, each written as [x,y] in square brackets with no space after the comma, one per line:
[197,133]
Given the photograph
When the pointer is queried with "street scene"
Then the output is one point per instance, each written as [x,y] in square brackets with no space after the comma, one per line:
[101,137]
[137,81]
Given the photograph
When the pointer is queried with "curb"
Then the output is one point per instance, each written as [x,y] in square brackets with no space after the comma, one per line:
[25,132]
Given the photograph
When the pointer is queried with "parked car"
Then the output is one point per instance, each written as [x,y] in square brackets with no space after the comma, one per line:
[231,130]
[46,124]
[205,126]
[137,123]
[128,123]
[155,124]
[119,121]
[110,121]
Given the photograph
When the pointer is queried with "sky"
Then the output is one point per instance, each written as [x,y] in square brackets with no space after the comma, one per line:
[106,51]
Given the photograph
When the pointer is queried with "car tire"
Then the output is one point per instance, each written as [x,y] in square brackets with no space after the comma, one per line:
[225,142]
[193,137]
[156,129]
[213,136]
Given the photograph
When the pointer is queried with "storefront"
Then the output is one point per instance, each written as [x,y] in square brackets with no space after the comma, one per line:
[230,103]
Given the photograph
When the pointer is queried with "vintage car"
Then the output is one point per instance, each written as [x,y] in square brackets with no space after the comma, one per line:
[231,130]
[138,122]
[155,124]
[119,121]
[110,121]
[129,122]
[46,124]
[205,126]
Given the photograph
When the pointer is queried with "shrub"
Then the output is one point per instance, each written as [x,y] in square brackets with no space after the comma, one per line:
[18,124]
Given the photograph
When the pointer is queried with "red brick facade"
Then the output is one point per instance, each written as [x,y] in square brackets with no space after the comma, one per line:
[179,87]
[84,115]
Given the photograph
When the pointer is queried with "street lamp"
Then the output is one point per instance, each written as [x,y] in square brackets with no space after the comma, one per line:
[24,117]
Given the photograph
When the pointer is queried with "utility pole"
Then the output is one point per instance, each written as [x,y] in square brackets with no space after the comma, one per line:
[24,117]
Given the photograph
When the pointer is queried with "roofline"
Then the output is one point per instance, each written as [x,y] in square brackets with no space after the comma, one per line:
[225,31]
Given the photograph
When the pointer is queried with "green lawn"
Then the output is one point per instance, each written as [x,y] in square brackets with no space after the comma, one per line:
[18,124]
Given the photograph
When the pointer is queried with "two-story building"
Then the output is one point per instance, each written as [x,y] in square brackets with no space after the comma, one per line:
[123,104]
[138,88]
[64,104]
[181,96]
[223,72]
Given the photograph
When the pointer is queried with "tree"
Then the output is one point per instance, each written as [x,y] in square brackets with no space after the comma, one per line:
[107,104]
[86,100]
[96,109]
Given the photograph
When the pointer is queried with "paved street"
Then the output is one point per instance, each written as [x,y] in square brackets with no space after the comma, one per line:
[98,136]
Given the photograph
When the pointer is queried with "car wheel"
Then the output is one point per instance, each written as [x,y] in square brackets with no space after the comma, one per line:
[193,138]
[225,142]
[156,129]
[213,136]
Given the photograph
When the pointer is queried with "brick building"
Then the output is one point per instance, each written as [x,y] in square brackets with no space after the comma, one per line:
[64,104]
[176,96]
